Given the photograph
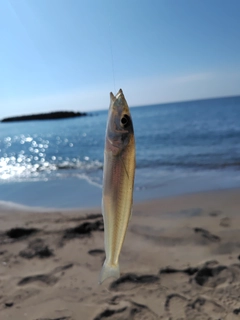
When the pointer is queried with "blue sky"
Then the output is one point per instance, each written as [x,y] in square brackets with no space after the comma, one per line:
[65,54]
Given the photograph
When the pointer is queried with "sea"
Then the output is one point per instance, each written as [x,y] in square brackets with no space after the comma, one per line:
[181,148]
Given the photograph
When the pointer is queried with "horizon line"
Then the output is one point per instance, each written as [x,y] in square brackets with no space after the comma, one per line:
[187,100]
[135,106]
[177,101]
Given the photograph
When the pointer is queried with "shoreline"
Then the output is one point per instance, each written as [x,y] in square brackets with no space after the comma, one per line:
[19,207]
[73,192]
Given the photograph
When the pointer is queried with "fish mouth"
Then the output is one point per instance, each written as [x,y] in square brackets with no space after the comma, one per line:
[118,102]
[119,95]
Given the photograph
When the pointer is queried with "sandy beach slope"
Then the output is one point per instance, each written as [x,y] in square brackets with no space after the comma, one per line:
[180,260]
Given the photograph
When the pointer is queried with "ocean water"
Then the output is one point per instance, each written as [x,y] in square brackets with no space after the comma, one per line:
[181,147]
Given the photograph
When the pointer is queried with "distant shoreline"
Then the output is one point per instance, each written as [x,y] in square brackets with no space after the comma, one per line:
[46,116]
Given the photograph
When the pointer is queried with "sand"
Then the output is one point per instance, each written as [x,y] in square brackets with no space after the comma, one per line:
[180,260]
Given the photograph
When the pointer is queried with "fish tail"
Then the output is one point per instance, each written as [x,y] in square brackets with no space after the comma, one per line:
[109,270]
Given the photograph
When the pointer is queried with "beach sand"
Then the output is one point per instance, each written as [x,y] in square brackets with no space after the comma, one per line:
[180,260]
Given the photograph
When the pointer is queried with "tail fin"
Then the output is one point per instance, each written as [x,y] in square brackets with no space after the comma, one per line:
[109,270]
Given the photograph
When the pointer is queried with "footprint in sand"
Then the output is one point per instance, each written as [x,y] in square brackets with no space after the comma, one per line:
[20,233]
[189,271]
[111,314]
[96,252]
[83,230]
[19,296]
[131,280]
[228,296]
[225,222]
[133,311]
[61,318]
[175,305]
[16,234]
[201,308]
[47,279]
[213,275]
[179,307]
[215,213]
[43,278]
[205,234]
[36,248]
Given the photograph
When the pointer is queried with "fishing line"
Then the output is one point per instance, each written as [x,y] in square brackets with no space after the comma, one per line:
[111,48]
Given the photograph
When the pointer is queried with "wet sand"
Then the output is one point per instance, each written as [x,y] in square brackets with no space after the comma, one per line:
[180,260]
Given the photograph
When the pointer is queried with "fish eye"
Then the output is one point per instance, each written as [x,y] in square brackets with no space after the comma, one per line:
[125,120]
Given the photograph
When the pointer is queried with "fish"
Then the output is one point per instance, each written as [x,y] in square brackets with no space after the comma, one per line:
[118,182]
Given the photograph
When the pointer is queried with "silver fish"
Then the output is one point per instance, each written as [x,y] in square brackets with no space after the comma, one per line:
[118,181]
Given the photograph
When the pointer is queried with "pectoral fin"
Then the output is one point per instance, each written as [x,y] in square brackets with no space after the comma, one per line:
[124,167]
